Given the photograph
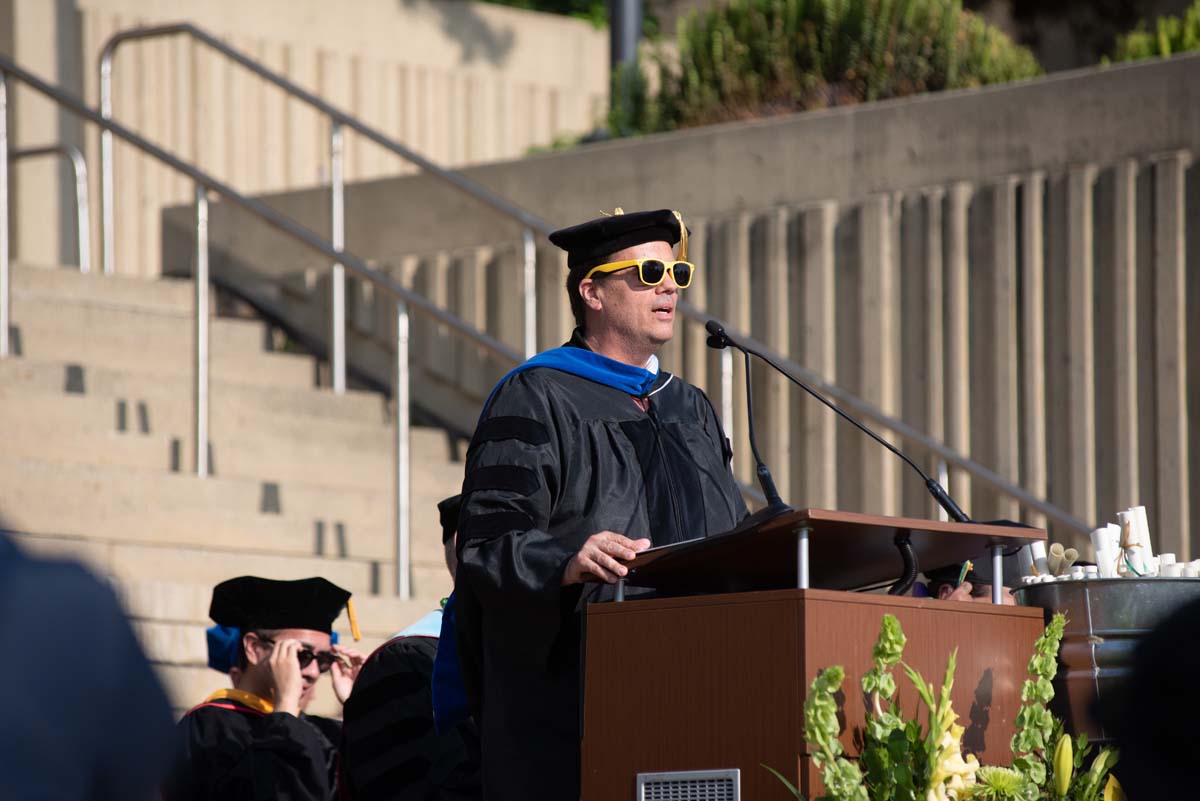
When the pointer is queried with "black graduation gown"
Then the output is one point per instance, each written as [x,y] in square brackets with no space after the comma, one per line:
[235,753]
[555,459]
[391,750]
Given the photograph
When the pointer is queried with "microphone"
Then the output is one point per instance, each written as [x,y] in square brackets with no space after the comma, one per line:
[775,505]
[719,340]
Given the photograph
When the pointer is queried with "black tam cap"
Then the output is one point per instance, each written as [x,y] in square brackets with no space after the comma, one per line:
[250,602]
[588,242]
[448,512]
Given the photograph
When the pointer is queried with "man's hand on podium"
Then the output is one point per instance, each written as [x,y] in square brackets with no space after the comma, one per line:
[598,557]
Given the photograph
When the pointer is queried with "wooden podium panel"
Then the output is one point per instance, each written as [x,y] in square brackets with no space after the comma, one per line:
[718,681]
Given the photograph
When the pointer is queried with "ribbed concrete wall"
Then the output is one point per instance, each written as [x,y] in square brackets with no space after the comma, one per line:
[1012,270]
[460,82]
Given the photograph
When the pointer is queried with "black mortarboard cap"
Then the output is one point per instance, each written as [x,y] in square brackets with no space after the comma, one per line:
[249,602]
[595,239]
[448,512]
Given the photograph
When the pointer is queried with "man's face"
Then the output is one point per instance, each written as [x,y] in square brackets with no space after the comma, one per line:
[641,314]
[315,641]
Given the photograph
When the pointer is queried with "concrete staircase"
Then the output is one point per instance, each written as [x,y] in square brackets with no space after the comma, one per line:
[96,452]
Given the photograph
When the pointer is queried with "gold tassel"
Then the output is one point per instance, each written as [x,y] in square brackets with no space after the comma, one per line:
[616,211]
[683,236]
[355,632]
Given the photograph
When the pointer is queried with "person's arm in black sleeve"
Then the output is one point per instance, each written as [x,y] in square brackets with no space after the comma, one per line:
[507,557]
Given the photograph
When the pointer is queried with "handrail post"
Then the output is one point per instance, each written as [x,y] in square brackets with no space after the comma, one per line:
[403,456]
[4,277]
[529,280]
[107,214]
[201,352]
[81,193]
[83,218]
[337,278]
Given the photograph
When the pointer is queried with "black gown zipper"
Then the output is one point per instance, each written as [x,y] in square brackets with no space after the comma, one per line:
[662,455]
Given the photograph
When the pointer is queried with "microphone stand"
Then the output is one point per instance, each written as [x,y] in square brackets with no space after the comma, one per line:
[719,339]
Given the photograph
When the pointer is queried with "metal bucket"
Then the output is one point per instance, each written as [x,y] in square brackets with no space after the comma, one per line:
[1105,620]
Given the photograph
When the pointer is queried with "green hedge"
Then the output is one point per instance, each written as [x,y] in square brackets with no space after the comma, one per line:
[753,58]
[1171,35]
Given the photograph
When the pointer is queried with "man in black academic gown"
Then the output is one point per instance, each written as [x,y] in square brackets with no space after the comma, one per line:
[253,741]
[583,456]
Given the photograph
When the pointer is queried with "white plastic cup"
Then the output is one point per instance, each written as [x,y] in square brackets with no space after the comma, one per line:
[1025,560]
[1190,571]
[1173,571]
[1077,573]
[1091,572]
[1038,551]
[1165,559]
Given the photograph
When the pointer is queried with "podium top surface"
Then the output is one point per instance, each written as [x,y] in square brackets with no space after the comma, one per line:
[846,550]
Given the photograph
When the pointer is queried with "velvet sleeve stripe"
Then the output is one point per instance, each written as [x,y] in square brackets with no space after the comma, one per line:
[507,478]
[524,429]
[495,524]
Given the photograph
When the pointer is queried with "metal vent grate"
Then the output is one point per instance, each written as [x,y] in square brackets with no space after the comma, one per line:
[691,785]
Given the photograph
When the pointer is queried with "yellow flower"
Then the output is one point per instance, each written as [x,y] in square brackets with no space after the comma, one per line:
[1064,765]
[952,773]
[1112,790]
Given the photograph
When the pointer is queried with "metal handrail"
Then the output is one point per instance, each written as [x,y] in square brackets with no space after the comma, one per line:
[405,299]
[79,164]
[339,120]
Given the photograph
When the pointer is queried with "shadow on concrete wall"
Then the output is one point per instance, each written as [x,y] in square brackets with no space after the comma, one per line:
[478,38]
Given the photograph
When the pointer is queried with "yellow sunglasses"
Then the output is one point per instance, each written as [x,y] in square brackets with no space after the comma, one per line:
[651,272]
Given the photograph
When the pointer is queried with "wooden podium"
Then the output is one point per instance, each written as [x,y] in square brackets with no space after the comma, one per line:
[716,679]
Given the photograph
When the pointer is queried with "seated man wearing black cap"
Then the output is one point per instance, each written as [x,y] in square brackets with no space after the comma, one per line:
[253,741]
[583,456]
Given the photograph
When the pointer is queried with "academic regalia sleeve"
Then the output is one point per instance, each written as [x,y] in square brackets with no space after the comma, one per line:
[507,558]
[233,754]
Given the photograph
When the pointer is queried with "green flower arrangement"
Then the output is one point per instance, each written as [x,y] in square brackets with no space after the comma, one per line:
[902,761]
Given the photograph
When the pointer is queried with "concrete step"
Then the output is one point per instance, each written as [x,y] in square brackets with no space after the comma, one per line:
[153,342]
[125,561]
[131,561]
[68,285]
[25,376]
[113,504]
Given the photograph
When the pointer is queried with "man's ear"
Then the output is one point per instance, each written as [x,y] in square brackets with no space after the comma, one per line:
[250,643]
[589,291]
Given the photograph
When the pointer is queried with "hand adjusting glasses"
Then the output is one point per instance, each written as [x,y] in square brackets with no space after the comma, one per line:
[651,272]
[305,656]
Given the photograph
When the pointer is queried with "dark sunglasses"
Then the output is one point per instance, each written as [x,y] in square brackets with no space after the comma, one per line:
[305,656]
[651,272]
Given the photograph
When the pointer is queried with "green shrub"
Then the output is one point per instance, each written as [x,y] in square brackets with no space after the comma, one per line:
[753,58]
[1171,35]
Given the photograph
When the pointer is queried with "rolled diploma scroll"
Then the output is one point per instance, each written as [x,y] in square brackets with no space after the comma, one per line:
[1107,536]
[1069,557]
[1106,561]
[1133,556]
[1139,516]
[1055,559]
